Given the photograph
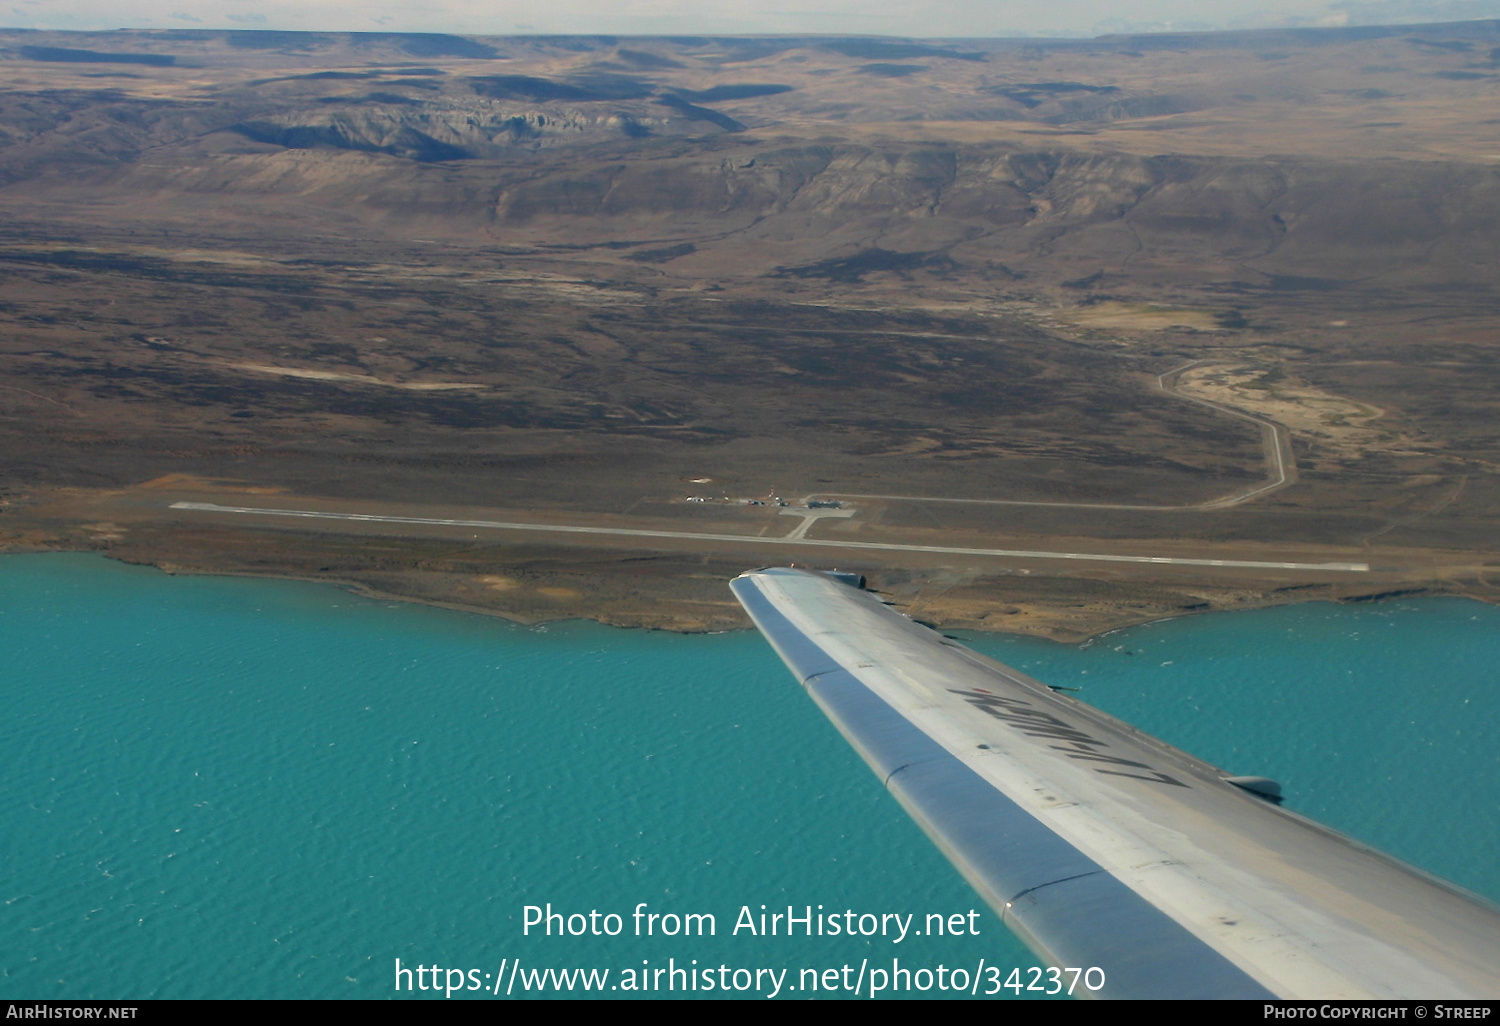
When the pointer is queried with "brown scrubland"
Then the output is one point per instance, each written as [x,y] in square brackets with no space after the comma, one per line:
[1096,284]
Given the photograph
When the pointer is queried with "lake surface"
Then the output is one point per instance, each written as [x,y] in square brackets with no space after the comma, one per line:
[217,787]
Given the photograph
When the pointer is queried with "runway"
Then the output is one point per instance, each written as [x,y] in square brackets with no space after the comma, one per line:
[626,532]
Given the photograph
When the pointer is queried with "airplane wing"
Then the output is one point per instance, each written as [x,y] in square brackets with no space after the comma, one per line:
[1099,845]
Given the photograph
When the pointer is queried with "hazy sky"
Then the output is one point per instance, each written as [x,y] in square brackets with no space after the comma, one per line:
[874,17]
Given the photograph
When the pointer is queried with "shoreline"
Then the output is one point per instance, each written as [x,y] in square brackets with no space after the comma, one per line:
[678,581]
[1079,629]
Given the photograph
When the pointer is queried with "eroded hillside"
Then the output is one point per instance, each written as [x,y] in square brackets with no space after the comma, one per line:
[580,274]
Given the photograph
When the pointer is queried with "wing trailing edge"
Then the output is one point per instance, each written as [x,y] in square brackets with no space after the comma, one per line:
[1099,845]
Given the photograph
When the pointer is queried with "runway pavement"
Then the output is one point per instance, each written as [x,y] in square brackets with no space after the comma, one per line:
[785,542]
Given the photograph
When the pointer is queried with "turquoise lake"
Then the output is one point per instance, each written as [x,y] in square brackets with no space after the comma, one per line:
[216,787]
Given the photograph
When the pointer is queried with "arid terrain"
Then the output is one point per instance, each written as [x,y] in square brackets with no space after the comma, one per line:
[1182,298]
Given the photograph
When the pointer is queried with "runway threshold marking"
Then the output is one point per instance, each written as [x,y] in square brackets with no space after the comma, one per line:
[629,532]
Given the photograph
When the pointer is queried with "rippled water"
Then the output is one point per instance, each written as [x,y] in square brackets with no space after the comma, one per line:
[237,788]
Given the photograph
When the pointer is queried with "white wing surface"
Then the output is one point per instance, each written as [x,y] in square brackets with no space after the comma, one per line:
[1100,845]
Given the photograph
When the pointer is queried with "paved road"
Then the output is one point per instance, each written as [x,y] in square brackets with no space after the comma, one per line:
[1281,466]
[626,532]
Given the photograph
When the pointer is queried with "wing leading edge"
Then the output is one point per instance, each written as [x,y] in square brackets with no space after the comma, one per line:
[1099,845]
